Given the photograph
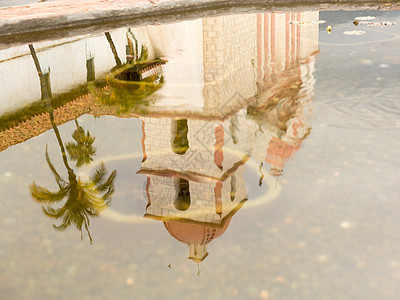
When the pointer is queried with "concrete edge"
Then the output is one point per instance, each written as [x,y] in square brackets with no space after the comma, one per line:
[52,20]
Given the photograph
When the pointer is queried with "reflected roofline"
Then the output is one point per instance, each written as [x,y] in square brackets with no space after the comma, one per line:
[194,176]
[189,221]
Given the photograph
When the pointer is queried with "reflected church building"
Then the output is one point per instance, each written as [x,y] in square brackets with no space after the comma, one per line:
[234,88]
[228,89]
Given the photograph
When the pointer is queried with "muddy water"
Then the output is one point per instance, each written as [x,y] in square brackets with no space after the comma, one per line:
[259,146]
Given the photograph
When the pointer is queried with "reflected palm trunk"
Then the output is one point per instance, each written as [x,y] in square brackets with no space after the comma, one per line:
[113,49]
[44,78]
[46,95]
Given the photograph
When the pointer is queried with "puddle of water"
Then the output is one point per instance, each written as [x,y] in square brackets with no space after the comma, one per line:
[244,156]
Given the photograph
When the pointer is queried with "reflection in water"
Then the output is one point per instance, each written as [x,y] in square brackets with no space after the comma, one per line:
[82,150]
[204,117]
[84,198]
[180,144]
[207,106]
[196,188]
[182,201]
[209,147]
[130,84]
[113,49]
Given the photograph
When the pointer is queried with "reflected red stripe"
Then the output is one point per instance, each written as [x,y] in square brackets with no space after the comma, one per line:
[293,39]
[272,35]
[259,47]
[219,143]
[287,44]
[298,18]
[266,46]
[218,198]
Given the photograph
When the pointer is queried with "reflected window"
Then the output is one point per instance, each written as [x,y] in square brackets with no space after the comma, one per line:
[180,143]
[182,201]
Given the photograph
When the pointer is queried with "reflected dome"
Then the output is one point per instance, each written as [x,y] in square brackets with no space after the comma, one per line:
[196,236]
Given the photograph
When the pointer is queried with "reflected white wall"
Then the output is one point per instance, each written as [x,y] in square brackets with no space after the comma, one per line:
[66,60]
[182,45]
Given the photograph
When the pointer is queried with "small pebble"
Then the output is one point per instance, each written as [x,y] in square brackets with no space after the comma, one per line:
[133,267]
[345,225]
[9,220]
[361,265]
[288,221]
[314,230]
[46,242]
[322,258]
[394,264]
[367,62]
[264,294]
[129,281]
[252,290]
[71,270]
[301,244]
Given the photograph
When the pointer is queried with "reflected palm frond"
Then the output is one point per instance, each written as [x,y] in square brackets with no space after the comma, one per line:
[82,150]
[84,199]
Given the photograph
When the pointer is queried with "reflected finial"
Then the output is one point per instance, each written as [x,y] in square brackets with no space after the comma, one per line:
[276,173]
[198,269]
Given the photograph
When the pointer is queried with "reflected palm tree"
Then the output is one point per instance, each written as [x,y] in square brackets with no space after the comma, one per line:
[83,198]
[82,150]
